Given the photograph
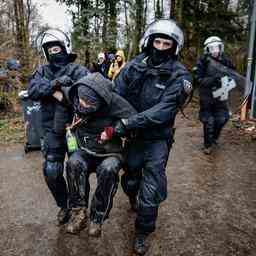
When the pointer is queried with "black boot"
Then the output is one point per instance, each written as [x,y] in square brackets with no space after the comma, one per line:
[139,247]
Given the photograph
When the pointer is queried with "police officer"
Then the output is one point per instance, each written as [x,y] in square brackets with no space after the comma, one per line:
[45,85]
[214,113]
[156,84]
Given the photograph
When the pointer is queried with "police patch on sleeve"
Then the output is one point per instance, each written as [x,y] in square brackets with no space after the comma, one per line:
[187,86]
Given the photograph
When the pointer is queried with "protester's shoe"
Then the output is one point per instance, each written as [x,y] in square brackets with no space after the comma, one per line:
[207,151]
[95,229]
[63,216]
[78,220]
[139,246]
[133,203]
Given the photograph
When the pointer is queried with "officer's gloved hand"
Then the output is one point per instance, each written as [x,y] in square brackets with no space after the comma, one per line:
[217,80]
[213,81]
[65,80]
[120,129]
[61,81]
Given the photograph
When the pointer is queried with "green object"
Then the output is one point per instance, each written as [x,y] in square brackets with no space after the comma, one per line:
[71,141]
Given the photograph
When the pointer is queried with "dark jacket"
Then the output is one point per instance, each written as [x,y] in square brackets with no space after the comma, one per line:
[208,79]
[101,68]
[155,92]
[40,88]
[113,109]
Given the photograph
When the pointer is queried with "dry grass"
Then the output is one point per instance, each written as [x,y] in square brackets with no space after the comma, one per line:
[11,129]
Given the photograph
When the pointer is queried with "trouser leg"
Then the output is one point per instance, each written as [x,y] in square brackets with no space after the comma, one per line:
[208,126]
[153,186]
[78,180]
[54,152]
[130,180]
[107,183]
[53,174]
[220,120]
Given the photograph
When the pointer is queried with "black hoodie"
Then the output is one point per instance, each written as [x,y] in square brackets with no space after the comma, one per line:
[113,108]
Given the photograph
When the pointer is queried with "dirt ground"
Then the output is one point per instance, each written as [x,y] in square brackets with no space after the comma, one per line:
[210,210]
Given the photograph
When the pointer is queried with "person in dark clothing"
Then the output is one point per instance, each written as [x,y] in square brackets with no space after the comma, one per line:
[45,85]
[102,65]
[214,112]
[99,109]
[157,85]
[10,83]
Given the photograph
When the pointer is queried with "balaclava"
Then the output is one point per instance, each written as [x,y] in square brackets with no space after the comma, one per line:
[156,56]
[57,60]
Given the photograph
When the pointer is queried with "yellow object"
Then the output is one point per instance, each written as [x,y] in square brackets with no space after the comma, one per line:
[116,67]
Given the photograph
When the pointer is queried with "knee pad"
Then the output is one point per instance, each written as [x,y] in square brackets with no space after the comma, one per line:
[52,170]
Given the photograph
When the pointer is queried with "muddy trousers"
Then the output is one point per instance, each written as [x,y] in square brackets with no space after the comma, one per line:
[145,179]
[214,114]
[78,169]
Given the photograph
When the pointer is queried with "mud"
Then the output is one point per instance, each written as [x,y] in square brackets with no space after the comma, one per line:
[210,210]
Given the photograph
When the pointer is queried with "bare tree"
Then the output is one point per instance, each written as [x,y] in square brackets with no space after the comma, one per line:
[22,34]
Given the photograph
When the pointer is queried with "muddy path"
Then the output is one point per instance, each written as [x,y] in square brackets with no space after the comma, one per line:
[210,210]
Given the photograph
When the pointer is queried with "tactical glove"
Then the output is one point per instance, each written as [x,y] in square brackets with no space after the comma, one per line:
[120,129]
[64,80]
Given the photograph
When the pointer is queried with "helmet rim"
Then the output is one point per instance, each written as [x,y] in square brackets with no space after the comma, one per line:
[172,30]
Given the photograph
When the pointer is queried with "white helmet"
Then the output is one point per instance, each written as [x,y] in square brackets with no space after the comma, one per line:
[163,26]
[53,35]
[213,43]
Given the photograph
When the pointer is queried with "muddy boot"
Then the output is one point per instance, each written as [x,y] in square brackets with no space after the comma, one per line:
[139,246]
[133,203]
[95,229]
[207,151]
[77,221]
[63,216]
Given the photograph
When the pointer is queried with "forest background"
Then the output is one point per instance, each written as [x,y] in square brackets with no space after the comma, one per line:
[105,25]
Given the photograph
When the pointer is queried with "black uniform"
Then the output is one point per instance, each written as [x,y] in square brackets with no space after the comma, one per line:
[55,116]
[214,113]
[156,92]
[105,158]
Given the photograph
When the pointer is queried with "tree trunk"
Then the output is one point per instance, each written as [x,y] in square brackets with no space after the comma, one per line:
[84,6]
[22,34]
[138,25]
[127,29]
[172,8]
[179,11]
[105,23]
[112,35]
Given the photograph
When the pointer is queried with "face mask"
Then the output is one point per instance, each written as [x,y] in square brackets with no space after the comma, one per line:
[160,56]
[58,60]
[86,111]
